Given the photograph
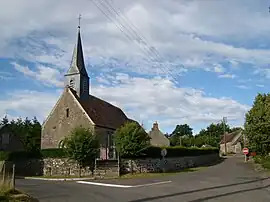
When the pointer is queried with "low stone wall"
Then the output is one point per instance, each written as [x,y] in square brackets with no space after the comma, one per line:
[66,167]
[63,167]
[167,165]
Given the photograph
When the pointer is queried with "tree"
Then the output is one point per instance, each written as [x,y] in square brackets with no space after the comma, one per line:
[131,139]
[82,146]
[29,131]
[4,121]
[212,134]
[257,124]
[182,135]
[182,130]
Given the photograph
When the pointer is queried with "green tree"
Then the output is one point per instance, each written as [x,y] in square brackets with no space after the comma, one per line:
[212,134]
[4,121]
[29,131]
[131,139]
[257,124]
[182,135]
[82,146]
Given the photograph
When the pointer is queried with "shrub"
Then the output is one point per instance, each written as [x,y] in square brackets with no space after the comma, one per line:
[53,153]
[82,146]
[45,153]
[131,140]
[155,152]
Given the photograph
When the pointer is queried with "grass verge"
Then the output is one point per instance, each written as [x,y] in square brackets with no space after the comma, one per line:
[10,195]
[61,177]
[152,175]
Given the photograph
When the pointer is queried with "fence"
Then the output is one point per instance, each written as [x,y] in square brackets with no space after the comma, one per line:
[7,176]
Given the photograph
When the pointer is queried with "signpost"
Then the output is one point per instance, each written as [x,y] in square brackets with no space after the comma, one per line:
[245,151]
[163,154]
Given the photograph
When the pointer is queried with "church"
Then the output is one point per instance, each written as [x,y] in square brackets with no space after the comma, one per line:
[76,108]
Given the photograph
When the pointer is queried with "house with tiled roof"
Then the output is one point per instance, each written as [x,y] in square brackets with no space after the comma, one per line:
[158,138]
[76,108]
[233,142]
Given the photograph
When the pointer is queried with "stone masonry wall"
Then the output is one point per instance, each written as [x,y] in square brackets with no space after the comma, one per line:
[168,165]
[63,167]
[58,125]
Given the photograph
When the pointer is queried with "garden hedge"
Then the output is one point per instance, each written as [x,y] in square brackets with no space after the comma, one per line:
[44,153]
[150,152]
[155,152]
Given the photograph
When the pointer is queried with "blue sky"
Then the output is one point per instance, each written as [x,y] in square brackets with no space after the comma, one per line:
[212,57]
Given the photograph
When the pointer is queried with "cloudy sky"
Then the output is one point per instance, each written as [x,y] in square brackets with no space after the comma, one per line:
[174,61]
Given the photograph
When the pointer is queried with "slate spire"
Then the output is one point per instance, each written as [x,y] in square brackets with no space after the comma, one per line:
[77,63]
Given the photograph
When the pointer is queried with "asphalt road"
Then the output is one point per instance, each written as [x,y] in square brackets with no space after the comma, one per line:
[231,180]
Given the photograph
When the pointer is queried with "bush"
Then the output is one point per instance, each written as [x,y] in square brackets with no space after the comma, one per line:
[155,152]
[263,160]
[53,153]
[45,153]
[131,140]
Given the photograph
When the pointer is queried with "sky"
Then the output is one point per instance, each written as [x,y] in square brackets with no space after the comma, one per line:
[174,62]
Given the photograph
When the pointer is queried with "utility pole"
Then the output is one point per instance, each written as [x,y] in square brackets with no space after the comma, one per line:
[224,132]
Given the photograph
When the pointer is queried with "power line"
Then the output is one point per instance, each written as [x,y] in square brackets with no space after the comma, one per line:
[141,40]
[136,32]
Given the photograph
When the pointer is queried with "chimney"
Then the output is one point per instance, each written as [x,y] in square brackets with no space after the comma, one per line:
[155,126]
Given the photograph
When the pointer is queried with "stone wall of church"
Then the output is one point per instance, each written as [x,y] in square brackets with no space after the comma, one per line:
[66,115]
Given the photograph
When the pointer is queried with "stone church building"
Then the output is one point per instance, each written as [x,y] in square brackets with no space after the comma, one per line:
[76,108]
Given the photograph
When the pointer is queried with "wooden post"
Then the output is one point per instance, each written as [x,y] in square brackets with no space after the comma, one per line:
[4,172]
[13,177]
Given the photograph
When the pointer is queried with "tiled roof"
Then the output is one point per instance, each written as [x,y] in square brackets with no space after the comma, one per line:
[103,113]
[229,137]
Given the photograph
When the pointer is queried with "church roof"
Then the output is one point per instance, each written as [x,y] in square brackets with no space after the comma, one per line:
[102,113]
[77,62]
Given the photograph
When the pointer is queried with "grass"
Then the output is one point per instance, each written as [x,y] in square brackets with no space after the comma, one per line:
[11,195]
[264,161]
[150,175]
[61,177]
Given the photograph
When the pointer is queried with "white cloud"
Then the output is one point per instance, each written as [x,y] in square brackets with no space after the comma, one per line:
[28,104]
[143,99]
[184,32]
[5,75]
[46,75]
[155,98]
[243,87]
[228,76]
[260,85]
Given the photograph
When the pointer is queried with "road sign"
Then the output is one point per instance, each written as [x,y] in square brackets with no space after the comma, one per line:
[245,151]
[163,152]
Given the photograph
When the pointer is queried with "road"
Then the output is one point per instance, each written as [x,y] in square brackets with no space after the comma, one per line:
[231,180]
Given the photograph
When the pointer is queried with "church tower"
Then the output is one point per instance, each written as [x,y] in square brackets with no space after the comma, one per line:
[77,77]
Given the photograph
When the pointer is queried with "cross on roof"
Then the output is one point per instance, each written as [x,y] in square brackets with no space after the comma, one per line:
[80,17]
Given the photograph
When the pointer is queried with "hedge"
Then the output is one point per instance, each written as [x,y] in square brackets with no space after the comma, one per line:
[155,152]
[44,153]
[150,152]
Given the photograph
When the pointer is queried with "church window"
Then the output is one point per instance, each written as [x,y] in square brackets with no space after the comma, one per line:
[5,139]
[67,112]
[71,83]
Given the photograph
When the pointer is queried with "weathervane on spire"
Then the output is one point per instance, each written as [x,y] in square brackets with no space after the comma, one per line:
[80,17]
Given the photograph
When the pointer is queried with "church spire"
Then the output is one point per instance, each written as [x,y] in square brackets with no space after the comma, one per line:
[77,62]
[77,77]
